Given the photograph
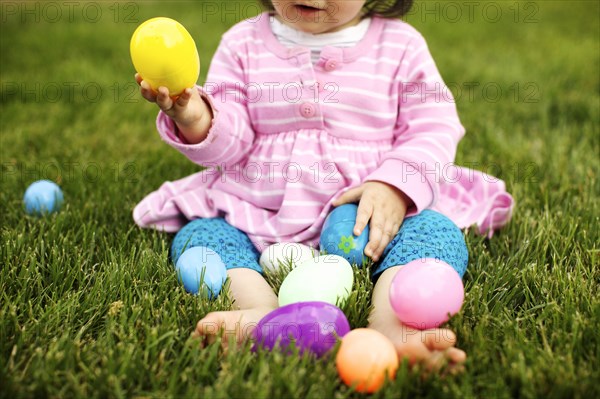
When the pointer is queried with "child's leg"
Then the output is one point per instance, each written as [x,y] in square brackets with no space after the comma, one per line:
[253,297]
[427,235]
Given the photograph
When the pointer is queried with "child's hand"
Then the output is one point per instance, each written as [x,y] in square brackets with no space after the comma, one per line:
[384,205]
[189,111]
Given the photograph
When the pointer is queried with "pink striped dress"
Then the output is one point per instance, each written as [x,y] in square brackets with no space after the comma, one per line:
[289,136]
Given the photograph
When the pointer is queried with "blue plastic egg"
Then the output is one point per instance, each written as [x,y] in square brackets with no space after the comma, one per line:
[201,270]
[43,197]
[337,235]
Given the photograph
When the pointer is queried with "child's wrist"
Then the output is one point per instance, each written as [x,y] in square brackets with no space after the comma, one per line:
[195,131]
[406,199]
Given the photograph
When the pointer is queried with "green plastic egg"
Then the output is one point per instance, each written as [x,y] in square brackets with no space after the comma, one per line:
[326,278]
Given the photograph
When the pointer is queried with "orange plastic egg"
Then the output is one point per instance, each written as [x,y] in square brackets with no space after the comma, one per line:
[365,358]
[164,54]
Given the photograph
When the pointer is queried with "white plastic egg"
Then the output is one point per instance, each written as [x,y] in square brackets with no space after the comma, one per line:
[284,252]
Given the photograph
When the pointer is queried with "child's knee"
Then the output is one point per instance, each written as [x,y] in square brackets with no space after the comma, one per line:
[232,245]
[427,235]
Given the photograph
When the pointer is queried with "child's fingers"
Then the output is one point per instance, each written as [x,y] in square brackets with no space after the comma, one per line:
[163,100]
[147,91]
[375,236]
[138,78]
[389,231]
[363,215]
[183,99]
[350,196]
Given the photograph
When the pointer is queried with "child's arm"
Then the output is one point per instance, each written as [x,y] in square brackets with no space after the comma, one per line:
[425,141]
[427,130]
[210,125]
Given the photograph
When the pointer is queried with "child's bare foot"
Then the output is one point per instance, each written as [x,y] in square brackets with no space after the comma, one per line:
[253,298]
[232,326]
[432,348]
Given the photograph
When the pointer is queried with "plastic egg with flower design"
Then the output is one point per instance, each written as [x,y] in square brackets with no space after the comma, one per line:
[337,235]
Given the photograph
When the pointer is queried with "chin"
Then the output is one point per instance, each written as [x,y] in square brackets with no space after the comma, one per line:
[308,28]
[315,29]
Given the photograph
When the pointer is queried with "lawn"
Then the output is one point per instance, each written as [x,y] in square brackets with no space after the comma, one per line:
[90,305]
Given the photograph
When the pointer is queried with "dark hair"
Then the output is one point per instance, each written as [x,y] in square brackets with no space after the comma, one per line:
[383,8]
[387,8]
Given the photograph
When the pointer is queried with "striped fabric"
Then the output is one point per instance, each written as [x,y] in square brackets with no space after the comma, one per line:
[289,136]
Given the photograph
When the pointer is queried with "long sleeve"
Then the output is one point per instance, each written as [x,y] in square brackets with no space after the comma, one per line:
[427,131]
[230,135]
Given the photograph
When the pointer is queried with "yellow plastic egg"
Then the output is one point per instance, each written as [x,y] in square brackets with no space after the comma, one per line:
[164,54]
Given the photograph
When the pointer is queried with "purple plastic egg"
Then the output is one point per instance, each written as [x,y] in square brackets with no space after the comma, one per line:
[311,326]
[425,293]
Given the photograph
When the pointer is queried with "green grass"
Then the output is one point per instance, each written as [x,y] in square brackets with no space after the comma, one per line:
[90,306]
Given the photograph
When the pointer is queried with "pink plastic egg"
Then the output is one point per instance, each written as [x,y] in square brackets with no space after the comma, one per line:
[425,293]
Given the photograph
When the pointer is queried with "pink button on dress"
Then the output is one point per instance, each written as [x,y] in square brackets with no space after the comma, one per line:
[330,65]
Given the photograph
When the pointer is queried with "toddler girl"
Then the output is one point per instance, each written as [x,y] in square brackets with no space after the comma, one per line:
[306,107]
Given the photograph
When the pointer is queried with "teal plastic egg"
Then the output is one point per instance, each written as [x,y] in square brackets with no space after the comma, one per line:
[337,235]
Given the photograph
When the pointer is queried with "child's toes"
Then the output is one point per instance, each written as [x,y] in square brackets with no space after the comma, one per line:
[456,356]
[456,361]
[413,353]
[454,369]
[203,340]
[435,362]
[453,358]
[438,339]
[209,326]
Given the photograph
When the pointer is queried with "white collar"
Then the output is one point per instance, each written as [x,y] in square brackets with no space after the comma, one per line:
[346,36]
